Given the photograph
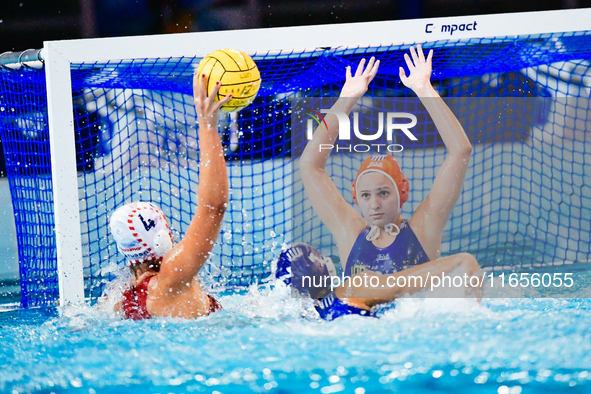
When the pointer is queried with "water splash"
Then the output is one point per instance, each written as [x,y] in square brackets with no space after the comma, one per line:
[264,340]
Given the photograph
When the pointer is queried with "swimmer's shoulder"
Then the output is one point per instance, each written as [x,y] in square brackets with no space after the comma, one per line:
[191,302]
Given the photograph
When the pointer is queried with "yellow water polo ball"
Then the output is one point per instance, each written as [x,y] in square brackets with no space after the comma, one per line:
[238,74]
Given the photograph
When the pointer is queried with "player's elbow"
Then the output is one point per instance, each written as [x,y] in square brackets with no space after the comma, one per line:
[463,152]
[469,262]
[215,209]
[221,208]
[467,149]
[221,205]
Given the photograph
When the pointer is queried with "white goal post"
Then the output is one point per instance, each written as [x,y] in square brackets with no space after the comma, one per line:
[59,55]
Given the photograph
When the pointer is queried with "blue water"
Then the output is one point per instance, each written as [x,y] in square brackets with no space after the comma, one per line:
[265,341]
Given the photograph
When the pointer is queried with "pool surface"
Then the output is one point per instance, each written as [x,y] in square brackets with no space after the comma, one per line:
[266,341]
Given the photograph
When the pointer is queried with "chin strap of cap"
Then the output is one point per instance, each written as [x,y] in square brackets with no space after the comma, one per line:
[375,231]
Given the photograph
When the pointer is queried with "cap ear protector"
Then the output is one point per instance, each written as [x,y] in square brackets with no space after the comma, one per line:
[388,166]
[142,232]
[162,242]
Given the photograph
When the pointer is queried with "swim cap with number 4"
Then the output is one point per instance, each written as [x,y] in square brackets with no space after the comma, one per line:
[142,232]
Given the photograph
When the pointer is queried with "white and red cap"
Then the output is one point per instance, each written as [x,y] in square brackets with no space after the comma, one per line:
[142,231]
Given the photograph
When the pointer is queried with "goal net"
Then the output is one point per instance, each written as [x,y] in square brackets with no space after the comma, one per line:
[526,200]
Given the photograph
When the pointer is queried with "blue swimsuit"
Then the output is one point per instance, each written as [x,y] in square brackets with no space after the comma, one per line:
[405,252]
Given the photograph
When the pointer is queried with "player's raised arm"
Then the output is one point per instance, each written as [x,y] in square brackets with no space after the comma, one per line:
[327,201]
[433,213]
[182,264]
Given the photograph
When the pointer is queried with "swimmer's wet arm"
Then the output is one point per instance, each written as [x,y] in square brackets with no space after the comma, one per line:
[184,261]
[383,291]
[430,218]
[213,188]
[451,131]
[417,278]
[342,219]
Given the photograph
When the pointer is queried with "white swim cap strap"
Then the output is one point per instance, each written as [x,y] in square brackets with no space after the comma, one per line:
[375,231]
[390,229]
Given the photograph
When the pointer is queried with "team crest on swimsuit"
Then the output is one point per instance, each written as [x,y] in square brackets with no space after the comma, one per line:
[359,268]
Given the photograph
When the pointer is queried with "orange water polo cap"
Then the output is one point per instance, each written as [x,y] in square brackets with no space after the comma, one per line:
[387,165]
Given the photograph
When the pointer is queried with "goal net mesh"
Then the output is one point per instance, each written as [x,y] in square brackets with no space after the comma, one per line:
[526,199]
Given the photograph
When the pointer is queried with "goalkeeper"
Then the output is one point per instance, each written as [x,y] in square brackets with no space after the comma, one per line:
[380,242]
[164,279]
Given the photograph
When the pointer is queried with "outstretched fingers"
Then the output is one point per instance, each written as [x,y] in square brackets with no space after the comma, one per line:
[199,88]
[211,103]
[206,104]
[374,70]
[360,68]
[356,85]
[369,66]
[223,101]
[415,57]
[369,71]
[402,74]
[214,93]
[419,68]
[195,86]
[420,53]
[409,62]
